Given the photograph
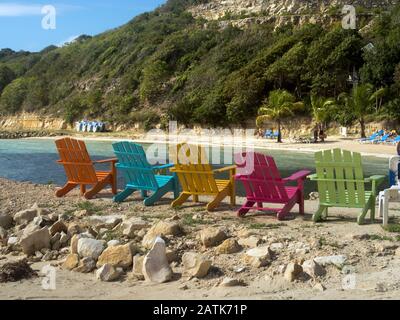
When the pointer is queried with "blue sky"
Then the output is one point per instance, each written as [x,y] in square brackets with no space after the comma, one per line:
[21,21]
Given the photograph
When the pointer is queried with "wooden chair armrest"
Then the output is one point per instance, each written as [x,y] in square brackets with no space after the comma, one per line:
[376,178]
[165,166]
[313,177]
[301,175]
[230,168]
[113,160]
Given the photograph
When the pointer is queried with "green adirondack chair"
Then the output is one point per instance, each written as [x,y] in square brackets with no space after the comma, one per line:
[341,183]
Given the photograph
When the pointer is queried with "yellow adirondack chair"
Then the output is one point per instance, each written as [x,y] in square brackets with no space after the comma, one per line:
[197,177]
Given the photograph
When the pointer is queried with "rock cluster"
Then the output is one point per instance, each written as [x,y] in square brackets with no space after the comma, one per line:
[158,251]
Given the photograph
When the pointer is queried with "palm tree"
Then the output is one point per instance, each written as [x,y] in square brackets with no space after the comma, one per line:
[378,96]
[279,105]
[321,108]
[359,103]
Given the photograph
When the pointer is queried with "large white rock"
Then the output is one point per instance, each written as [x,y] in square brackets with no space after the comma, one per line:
[258,257]
[107,273]
[161,228]
[338,260]
[25,216]
[251,242]
[211,237]
[195,264]
[155,264]
[313,268]
[133,224]
[12,241]
[75,239]
[293,271]
[90,248]
[107,222]
[35,241]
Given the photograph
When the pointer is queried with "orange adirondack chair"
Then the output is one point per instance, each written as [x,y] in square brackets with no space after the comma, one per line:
[196,177]
[80,169]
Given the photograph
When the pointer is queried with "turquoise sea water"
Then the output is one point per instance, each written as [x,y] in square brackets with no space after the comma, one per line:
[35,161]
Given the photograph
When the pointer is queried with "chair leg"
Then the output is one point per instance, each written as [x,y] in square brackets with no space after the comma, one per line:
[114,188]
[317,217]
[245,208]
[286,209]
[114,184]
[233,198]
[155,197]
[83,189]
[180,200]
[195,198]
[144,194]
[361,217]
[95,190]
[301,204]
[175,187]
[120,197]
[64,190]
[233,195]
[217,200]
[385,209]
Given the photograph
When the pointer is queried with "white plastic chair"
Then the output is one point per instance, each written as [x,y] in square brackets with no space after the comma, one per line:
[393,193]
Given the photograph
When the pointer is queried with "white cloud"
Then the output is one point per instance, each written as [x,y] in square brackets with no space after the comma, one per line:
[13,9]
[67,41]
[19,10]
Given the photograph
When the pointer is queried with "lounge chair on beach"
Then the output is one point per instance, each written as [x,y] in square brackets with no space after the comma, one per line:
[341,183]
[141,176]
[197,177]
[268,134]
[373,137]
[394,141]
[80,169]
[382,139]
[265,185]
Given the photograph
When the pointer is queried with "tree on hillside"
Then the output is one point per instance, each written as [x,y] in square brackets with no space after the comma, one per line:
[279,105]
[359,103]
[320,108]
[6,76]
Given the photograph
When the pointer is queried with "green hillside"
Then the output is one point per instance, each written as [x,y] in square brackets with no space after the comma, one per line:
[166,65]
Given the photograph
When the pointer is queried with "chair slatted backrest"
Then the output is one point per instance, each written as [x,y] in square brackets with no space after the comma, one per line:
[133,162]
[264,183]
[193,169]
[74,157]
[340,177]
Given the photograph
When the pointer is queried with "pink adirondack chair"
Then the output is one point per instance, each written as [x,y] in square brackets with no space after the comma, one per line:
[263,184]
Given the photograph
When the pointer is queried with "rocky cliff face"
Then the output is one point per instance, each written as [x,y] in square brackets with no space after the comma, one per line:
[242,12]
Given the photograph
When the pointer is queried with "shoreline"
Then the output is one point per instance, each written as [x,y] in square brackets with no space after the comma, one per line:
[369,150]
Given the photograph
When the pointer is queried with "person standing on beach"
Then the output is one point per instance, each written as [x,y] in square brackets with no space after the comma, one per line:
[322,135]
[315,132]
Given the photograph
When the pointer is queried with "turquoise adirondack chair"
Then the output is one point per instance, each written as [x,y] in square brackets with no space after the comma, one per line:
[341,183]
[140,175]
